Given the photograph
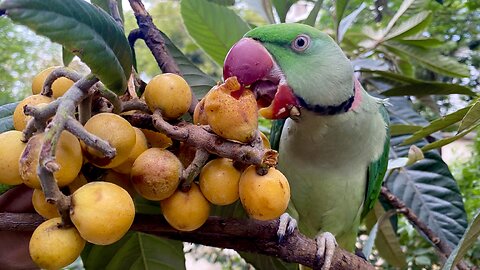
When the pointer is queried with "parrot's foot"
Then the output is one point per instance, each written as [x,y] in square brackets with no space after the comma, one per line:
[326,245]
[286,227]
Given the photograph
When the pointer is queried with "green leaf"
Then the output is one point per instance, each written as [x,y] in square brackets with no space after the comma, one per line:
[394,76]
[411,26]
[263,8]
[88,32]
[427,187]
[386,239]
[437,125]
[312,16]
[472,117]
[403,8]
[430,88]
[223,2]
[406,68]
[348,21]
[429,59]
[443,142]
[7,109]
[6,123]
[104,4]
[282,7]
[468,240]
[136,251]
[214,28]
[4,188]
[263,262]
[400,129]
[340,7]
[67,56]
[427,43]
[199,82]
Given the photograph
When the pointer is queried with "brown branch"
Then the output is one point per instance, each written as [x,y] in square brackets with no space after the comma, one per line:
[240,234]
[153,38]
[442,247]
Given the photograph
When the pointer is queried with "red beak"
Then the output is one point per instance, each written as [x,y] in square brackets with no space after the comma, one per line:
[253,66]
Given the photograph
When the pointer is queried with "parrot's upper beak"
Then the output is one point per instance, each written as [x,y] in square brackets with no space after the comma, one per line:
[255,68]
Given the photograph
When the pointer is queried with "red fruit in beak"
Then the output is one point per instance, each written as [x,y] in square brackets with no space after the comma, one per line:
[248,60]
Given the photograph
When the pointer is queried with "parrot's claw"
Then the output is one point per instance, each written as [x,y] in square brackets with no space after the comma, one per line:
[326,245]
[286,226]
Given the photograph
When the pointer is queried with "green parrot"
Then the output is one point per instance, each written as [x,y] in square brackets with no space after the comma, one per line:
[333,146]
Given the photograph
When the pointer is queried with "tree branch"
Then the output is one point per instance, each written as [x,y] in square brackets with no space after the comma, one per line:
[441,246]
[240,234]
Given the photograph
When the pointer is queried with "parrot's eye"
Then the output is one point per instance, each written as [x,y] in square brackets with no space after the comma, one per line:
[301,43]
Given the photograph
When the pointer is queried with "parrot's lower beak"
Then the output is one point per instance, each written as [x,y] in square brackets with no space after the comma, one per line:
[255,68]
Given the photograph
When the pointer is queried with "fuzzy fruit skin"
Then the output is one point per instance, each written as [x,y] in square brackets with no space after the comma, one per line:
[121,180]
[140,146]
[156,174]
[102,212]
[45,209]
[219,181]
[10,142]
[170,93]
[156,139]
[19,118]
[230,117]
[52,247]
[264,197]
[68,156]
[119,134]
[59,86]
[186,211]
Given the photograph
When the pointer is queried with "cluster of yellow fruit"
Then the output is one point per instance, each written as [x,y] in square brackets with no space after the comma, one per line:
[103,211]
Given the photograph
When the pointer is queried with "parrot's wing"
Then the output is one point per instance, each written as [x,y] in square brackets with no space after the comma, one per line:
[276,133]
[376,170]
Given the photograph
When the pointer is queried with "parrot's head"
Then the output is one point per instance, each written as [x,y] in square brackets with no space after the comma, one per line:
[291,67]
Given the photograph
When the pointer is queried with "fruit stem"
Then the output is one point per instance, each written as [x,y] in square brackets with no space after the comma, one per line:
[134,104]
[74,127]
[201,138]
[193,170]
[39,119]
[55,74]
[110,96]
[65,111]
[85,110]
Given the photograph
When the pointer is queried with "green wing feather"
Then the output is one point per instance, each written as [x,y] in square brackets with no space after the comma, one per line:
[276,133]
[376,170]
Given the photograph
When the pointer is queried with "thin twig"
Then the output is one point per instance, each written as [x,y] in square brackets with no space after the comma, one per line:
[55,74]
[194,168]
[443,248]
[85,110]
[240,234]
[115,13]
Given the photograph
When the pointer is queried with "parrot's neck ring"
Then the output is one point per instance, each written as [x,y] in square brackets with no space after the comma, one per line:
[330,109]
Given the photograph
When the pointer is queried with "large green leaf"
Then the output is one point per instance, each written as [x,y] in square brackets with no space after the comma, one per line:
[429,88]
[346,22]
[403,129]
[401,10]
[411,26]
[6,124]
[312,16]
[394,76]
[136,251]
[282,7]
[427,43]
[469,238]
[6,116]
[340,7]
[105,5]
[430,59]
[437,125]
[471,118]
[386,239]
[85,30]
[448,140]
[7,109]
[198,81]
[214,28]
[427,187]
